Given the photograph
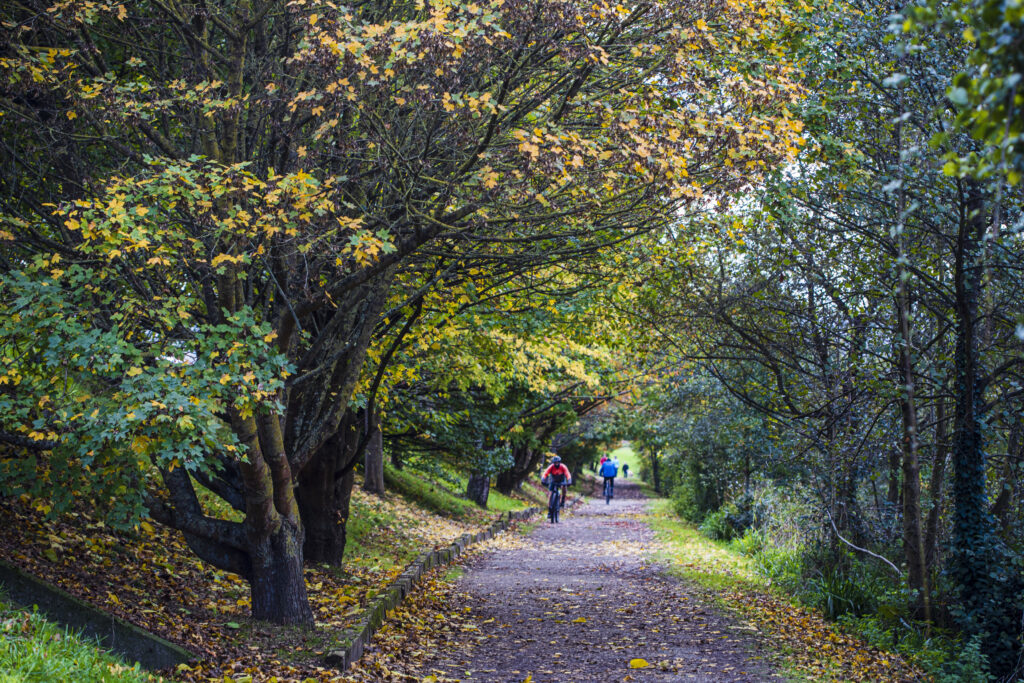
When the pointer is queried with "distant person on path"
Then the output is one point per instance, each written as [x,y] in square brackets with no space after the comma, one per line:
[610,470]
[556,475]
[625,471]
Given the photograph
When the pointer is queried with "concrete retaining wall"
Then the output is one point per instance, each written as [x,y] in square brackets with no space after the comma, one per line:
[130,642]
[152,652]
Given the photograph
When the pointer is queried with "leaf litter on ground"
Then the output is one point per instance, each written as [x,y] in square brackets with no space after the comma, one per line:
[150,578]
[819,649]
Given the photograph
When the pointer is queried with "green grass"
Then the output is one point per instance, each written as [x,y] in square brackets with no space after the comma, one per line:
[627,456]
[439,497]
[454,572]
[711,564]
[432,495]
[34,649]
[499,502]
[364,549]
[537,495]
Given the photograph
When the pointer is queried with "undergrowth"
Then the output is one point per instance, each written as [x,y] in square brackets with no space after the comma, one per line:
[860,598]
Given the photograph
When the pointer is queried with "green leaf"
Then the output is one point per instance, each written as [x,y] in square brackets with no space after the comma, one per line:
[958,96]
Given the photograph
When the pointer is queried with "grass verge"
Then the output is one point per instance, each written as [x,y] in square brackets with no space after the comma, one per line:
[440,497]
[809,648]
[34,649]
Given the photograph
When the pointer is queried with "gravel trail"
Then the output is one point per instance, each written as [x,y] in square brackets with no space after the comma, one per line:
[581,600]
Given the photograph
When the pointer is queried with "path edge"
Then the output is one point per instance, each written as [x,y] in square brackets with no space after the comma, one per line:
[354,641]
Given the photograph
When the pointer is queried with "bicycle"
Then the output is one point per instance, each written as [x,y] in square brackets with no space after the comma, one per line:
[554,502]
[609,491]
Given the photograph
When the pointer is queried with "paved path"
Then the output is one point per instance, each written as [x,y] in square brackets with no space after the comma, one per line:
[582,600]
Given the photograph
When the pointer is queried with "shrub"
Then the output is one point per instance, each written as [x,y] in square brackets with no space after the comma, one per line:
[684,503]
[751,543]
[716,526]
[746,513]
[696,492]
[838,591]
[782,565]
[970,667]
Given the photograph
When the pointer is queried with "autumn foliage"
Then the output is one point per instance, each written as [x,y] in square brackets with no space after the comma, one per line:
[209,210]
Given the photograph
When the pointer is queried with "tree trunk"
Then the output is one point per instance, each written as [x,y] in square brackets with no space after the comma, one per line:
[524,459]
[505,482]
[656,473]
[913,538]
[373,471]
[985,583]
[265,548]
[937,483]
[277,582]
[971,523]
[478,488]
[324,492]
[323,430]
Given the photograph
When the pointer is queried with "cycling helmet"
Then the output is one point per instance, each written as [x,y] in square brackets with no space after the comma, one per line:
[555,459]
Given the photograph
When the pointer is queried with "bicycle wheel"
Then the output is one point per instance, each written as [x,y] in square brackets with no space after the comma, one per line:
[607,493]
[553,507]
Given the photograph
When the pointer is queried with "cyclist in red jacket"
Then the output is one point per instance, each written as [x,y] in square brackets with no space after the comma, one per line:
[557,474]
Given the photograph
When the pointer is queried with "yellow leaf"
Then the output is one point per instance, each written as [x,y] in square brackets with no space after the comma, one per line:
[638,663]
[134,372]
[581,620]
[225,378]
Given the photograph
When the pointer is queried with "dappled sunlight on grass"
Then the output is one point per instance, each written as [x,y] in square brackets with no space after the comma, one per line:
[691,555]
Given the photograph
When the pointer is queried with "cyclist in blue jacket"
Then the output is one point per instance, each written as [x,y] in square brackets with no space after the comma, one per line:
[610,470]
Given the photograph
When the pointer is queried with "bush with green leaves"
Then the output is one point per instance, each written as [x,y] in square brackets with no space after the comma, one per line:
[684,503]
[716,525]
